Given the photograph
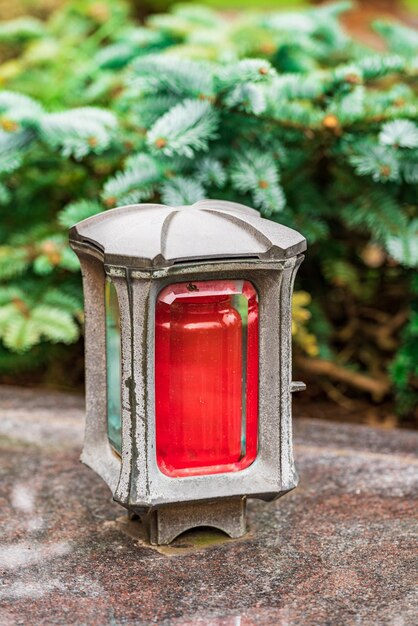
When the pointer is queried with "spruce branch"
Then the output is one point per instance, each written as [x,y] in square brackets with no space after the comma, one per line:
[12,142]
[64,300]
[400,39]
[180,191]
[135,183]
[294,86]
[410,172]
[350,107]
[378,212]
[19,332]
[247,96]
[403,247]
[9,160]
[187,128]
[245,71]
[210,171]
[257,173]
[149,108]
[132,43]
[379,162]
[378,65]
[115,56]
[78,132]
[27,317]
[17,107]
[399,133]
[78,211]
[14,261]
[183,78]
[52,252]
[54,324]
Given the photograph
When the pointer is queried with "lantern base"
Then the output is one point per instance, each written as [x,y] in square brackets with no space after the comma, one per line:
[168,522]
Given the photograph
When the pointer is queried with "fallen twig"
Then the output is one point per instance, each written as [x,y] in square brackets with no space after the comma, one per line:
[376,387]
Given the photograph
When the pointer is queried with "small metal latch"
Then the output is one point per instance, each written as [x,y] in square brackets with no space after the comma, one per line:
[297,385]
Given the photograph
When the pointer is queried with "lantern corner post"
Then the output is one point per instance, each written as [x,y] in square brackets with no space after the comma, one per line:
[289,475]
[119,278]
[134,489]
[97,452]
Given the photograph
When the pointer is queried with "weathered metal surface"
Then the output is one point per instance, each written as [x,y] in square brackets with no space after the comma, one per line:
[155,235]
[97,452]
[168,522]
[140,247]
[273,471]
[340,550]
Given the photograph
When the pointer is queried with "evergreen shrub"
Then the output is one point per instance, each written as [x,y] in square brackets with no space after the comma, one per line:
[283,111]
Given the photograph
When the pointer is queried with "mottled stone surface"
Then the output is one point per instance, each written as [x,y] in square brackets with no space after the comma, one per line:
[340,549]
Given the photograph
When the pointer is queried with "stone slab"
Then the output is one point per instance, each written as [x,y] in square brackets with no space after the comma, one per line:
[340,550]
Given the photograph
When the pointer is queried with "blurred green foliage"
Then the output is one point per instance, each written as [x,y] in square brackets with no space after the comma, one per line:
[282,111]
[164,5]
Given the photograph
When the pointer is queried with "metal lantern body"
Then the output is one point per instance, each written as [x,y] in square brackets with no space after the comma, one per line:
[188,360]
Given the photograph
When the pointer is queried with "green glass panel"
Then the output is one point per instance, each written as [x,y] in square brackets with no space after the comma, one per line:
[240,304]
[113,364]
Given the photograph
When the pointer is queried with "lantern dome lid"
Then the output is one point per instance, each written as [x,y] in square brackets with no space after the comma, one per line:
[155,235]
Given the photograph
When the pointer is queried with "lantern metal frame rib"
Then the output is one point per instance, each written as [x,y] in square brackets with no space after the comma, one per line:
[170,505]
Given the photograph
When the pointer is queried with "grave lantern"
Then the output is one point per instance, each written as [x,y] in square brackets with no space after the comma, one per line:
[188,360]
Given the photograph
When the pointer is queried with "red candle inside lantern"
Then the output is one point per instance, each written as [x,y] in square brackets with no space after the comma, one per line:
[206,377]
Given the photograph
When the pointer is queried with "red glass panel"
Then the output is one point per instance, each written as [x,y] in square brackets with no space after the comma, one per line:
[206,377]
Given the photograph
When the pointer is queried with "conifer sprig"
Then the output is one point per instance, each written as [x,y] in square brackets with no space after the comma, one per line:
[185,129]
